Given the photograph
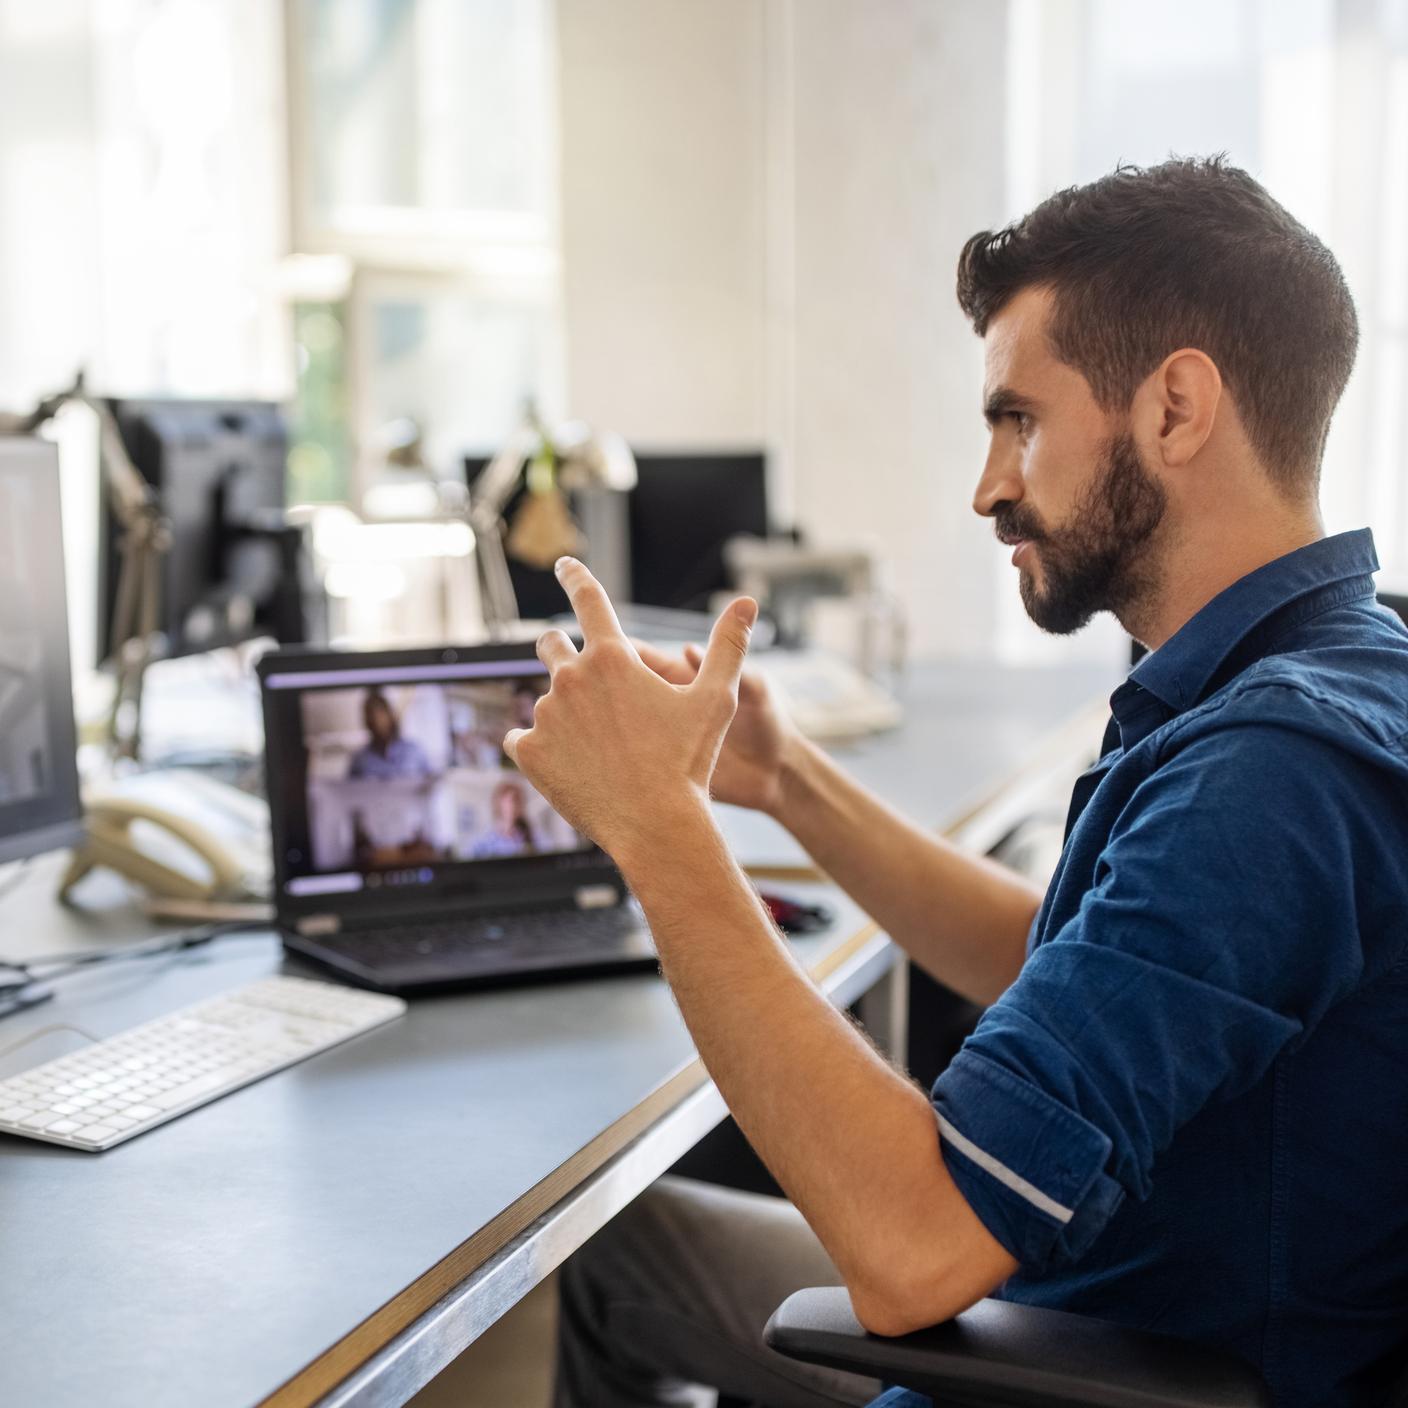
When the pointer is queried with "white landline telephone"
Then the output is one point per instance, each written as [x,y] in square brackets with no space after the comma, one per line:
[195,846]
[828,698]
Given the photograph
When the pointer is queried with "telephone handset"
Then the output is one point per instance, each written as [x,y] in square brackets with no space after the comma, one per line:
[182,837]
[216,873]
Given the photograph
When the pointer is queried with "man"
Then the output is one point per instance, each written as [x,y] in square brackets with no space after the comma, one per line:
[1186,1108]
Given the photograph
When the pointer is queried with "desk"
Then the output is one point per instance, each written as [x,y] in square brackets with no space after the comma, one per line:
[338,1233]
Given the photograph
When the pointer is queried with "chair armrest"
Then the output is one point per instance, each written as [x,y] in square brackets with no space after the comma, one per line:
[1017,1356]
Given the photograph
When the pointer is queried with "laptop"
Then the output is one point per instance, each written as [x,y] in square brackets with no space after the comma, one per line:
[410,855]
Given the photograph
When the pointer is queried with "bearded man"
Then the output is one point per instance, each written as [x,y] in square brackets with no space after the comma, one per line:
[1185,1108]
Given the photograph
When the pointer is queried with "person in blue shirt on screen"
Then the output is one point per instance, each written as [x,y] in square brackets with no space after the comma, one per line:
[512,833]
[1185,1108]
[387,754]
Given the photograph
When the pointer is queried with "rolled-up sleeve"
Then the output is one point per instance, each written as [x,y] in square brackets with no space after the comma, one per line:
[1031,1169]
[1220,927]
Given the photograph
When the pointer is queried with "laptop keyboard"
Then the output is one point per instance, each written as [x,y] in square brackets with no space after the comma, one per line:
[545,933]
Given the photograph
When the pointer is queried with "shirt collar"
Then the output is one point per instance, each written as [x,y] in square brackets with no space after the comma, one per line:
[1178,673]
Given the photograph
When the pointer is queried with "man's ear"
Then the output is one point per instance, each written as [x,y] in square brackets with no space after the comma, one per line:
[1177,405]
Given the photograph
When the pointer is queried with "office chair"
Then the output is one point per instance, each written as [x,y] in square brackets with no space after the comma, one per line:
[998,1355]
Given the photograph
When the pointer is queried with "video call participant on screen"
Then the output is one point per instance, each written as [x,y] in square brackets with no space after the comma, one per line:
[513,832]
[1184,1108]
[388,755]
[521,705]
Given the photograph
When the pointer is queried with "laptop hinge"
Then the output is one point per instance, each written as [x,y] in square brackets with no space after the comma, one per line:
[596,896]
[313,925]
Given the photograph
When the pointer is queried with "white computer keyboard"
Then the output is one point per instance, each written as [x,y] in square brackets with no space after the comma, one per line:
[109,1091]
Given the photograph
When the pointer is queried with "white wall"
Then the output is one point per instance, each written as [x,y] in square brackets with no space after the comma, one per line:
[763,201]
[662,217]
[898,159]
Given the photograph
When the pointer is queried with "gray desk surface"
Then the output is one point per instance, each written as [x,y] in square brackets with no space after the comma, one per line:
[214,1259]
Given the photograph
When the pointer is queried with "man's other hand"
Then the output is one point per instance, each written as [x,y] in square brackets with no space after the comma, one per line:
[620,751]
[760,740]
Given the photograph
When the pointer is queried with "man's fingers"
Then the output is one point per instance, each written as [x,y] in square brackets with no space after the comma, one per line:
[668,667]
[589,600]
[554,649]
[728,644]
[510,744]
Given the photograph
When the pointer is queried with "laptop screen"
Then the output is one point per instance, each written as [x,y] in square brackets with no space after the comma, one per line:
[392,776]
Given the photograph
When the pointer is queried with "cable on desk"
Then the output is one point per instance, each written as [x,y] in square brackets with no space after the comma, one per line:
[61,964]
[46,1031]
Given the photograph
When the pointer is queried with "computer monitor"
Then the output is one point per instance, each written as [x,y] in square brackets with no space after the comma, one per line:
[39,806]
[1397,602]
[684,507]
[232,570]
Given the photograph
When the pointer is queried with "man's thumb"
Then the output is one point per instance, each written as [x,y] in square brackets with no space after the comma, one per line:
[728,643]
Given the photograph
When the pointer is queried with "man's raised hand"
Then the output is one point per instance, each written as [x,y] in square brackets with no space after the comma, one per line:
[616,747]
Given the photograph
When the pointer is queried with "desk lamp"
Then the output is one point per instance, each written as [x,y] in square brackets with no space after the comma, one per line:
[146,538]
[570,457]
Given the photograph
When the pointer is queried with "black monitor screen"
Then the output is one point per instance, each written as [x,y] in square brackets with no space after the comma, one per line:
[683,509]
[1397,602]
[39,807]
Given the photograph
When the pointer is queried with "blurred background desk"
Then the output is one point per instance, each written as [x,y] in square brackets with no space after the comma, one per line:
[337,1234]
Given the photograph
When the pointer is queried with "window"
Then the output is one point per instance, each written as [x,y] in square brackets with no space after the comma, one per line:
[422,141]
[1311,96]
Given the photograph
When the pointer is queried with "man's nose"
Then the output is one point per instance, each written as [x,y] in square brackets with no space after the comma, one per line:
[1000,483]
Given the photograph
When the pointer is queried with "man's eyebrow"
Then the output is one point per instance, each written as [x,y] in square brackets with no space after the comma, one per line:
[1003,401]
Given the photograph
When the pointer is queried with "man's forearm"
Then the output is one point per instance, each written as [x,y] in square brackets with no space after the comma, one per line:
[962,918]
[627,757]
[852,1142]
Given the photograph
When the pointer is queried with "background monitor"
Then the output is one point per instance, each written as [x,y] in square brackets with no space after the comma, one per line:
[39,805]
[232,572]
[683,509]
[1397,602]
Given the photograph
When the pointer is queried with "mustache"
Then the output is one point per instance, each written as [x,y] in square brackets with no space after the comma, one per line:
[1015,522]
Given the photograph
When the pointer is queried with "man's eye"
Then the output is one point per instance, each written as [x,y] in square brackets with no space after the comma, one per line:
[1021,420]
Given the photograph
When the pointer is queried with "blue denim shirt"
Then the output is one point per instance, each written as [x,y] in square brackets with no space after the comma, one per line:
[1190,1111]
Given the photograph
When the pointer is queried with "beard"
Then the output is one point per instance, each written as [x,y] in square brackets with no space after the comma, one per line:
[1100,560]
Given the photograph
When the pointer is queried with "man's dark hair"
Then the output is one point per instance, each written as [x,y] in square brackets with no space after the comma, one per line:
[1189,253]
